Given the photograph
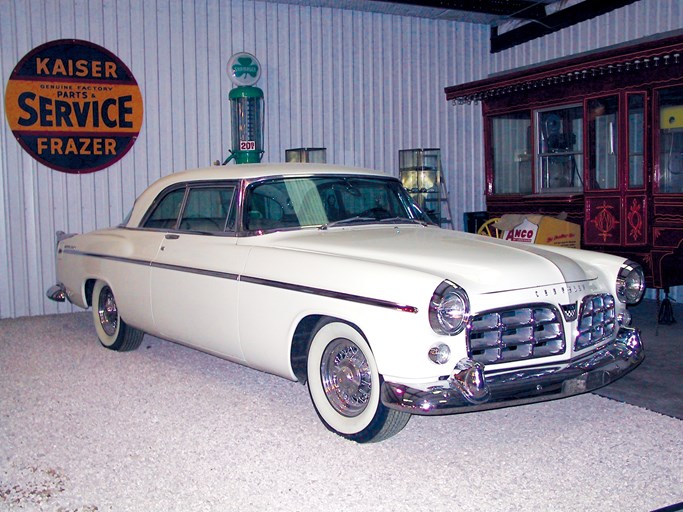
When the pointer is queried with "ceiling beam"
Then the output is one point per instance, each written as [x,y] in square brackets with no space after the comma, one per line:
[547,25]
[520,9]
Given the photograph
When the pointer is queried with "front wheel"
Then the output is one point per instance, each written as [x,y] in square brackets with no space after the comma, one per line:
[112,331]
[344,385]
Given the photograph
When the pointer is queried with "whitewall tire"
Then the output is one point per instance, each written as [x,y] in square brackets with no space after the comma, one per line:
[112,331]
[344,385]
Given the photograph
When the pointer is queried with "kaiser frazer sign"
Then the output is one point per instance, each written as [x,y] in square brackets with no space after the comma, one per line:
[73,106]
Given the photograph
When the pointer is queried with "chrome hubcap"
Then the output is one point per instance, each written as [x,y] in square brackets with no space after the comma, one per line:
[346,377]
[107,311]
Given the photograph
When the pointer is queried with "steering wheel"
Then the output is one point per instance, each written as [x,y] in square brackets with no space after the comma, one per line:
[376,213]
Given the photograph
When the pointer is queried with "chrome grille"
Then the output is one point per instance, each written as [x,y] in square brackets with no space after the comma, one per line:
[514,334]
[597,321]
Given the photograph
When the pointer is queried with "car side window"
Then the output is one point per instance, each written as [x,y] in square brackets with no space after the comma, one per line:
[207,209]
[165,214]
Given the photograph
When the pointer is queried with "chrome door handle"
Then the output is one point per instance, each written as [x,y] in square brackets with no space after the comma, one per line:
[172,237]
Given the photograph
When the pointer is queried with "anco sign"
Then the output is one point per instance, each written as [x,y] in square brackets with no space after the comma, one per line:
[525,232]
[73,106]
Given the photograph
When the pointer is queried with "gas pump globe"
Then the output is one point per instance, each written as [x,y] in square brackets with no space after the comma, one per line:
[246,109]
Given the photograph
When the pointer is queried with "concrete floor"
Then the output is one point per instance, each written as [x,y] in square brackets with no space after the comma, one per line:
[166,428]
[656,383]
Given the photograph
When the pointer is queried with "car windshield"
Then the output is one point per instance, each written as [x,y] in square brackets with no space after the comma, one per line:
[325,201]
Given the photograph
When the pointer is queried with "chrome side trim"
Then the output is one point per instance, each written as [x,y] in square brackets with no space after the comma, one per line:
[121,259]
[191,270]
[256,280]
[329,293]
[523,385]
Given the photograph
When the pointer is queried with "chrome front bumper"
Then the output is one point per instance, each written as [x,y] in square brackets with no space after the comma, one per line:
[471,388]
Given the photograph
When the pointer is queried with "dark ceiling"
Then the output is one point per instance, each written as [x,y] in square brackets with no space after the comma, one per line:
[498,10]
[515,22]
[512,22]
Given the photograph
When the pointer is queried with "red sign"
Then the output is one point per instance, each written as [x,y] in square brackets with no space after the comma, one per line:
[73,106]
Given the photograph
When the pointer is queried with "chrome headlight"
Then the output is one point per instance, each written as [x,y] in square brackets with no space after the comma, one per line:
[449,309]
[630,282]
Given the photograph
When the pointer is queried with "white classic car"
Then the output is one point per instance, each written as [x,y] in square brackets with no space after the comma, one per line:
[332,276]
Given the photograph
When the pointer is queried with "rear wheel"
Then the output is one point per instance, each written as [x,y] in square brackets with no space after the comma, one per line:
[344,385]
[112,331]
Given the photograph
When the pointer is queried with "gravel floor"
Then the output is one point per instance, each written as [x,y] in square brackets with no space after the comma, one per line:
[166,428]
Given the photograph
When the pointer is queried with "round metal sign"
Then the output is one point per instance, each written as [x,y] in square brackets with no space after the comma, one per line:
[244,69]
[73,106]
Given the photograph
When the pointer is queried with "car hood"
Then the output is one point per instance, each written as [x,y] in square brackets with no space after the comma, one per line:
[472,261]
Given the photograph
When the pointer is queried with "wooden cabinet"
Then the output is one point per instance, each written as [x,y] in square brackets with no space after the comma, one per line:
[598,137]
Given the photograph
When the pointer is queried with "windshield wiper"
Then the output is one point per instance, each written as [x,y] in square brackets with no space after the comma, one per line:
[388,220]
[400,220]
[350,220]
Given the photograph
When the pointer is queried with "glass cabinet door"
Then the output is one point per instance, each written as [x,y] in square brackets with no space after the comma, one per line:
[511,153]
[559,167]
[603,142]
[636,140]
[669,179]
[616,203]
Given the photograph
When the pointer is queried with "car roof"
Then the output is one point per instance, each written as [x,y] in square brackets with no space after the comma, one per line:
[253,171]
[241,172]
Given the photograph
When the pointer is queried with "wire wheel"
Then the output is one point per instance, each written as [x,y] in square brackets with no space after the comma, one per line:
[345,386]
[107,311]
[112,331]
[346,377]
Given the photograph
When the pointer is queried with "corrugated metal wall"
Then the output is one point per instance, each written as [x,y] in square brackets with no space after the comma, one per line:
[363,85]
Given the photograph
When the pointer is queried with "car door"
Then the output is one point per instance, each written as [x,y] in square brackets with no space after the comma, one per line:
[194,278]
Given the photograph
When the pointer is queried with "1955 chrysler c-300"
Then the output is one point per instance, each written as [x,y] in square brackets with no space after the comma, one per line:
[333,277]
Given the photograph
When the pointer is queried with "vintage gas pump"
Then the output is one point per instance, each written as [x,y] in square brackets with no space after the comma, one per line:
[246,109]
